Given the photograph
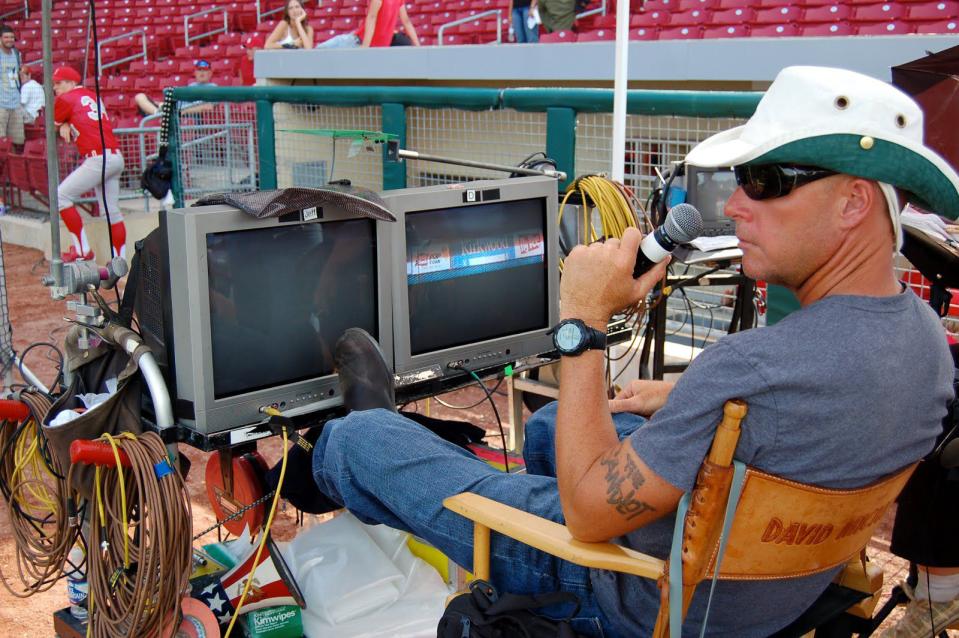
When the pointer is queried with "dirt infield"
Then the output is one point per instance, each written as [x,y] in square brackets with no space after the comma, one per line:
[37,318]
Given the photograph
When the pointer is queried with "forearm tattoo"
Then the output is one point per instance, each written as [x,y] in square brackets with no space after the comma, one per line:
[623,480]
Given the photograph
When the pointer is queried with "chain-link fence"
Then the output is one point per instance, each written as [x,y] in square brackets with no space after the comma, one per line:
[318,144]
[503,136]
[216,148]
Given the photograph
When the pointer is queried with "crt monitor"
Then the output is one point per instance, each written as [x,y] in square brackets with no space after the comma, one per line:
[707,189]
[475,281]
[243,313]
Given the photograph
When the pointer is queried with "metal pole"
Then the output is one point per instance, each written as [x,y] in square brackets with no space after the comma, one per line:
[619,92]
[485,165]
[53,166]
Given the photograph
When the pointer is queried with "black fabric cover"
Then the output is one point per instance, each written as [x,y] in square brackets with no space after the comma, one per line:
[484,613]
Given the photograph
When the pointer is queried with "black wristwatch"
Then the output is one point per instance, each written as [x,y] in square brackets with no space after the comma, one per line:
[572,337]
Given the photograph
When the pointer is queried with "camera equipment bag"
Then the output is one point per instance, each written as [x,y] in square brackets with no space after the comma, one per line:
[484,613]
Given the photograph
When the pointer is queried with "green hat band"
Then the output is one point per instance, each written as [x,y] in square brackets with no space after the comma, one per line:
[883,161]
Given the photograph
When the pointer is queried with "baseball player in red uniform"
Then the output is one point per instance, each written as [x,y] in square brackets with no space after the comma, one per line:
[78,114]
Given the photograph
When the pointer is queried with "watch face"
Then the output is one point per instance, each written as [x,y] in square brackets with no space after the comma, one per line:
[569,337]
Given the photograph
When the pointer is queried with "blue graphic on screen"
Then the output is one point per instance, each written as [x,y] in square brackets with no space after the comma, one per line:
[475,273]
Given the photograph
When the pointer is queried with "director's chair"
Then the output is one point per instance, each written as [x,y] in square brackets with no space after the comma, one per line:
[780,529]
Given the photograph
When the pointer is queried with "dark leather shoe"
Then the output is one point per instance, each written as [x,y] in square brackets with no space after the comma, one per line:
[365,378]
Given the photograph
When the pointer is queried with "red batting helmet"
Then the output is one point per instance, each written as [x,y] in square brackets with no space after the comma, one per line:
[66,73]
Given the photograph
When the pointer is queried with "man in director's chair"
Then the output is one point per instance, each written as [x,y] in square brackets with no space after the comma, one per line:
[844,393]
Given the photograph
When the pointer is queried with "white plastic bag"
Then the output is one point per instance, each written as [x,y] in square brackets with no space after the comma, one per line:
[349,596]
[343,574]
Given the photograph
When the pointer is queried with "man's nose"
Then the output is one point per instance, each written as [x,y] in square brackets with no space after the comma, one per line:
[737,206]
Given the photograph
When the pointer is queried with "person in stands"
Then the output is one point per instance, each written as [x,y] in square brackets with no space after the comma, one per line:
[202,74]
[293,31]
[251,44]
[377,29]
[31,95]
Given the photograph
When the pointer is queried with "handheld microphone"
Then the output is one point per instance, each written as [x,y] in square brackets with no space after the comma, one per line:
[683,224]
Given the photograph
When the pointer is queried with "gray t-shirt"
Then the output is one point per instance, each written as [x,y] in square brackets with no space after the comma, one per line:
[840,394]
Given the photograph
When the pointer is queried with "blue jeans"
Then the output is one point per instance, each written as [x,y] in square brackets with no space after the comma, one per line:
[523,32]
[342,41]
[387,469]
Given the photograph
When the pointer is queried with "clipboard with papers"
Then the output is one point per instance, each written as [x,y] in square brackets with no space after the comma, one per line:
[709,249]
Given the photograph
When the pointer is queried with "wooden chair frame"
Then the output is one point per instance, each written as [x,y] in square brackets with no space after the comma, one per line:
[782,529]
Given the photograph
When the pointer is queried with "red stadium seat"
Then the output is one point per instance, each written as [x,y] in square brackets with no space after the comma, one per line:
[599,35]
[879,12]
[644,33]
[788,30]
[944,9]
[558,36]
[688,18]
[456,38]
[344,24]
[689,5]
[741,15]
[650,18]
[659,5]
[946,25]
[734,4]
[726,31]
[777,15]
[835,28]
[893,27]
[681,33]
[827,13]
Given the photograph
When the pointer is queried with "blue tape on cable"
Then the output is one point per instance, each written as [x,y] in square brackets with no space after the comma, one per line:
[162,468]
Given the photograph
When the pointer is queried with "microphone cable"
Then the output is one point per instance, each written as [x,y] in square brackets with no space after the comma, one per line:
[140,546]
[42,516]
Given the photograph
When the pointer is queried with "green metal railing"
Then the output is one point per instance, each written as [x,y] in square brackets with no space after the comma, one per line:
[561,107]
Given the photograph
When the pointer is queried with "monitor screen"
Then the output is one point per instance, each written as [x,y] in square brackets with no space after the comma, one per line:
[475,273]
[708,189]
[281,296]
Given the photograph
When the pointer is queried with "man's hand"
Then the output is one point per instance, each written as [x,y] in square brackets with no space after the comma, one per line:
[642,397]
[66,133]
[598,279]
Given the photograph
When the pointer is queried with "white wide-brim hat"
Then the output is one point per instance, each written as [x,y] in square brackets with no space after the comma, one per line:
[842,121]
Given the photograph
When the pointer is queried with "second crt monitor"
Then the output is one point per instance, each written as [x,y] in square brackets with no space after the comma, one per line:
[475,277]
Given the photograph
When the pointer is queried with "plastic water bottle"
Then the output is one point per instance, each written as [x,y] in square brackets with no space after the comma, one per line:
[76,584]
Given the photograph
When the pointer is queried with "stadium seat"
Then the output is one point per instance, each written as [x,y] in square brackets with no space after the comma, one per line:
[689,5]
[599,35]
[938,26]
[827,13]
[927,11]
[558,37]
[778,15]
[893,27]
[788,30]
[644,33]
[688,18]
[659,5]
[741,15]
[836,28]
[681,33]
[650,18]
[726,31]
[879,12]
[456,38]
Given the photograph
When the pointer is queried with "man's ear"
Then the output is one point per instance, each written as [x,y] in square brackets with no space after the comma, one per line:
[859,196]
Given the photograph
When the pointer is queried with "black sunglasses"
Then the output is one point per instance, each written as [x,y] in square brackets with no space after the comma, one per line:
[768,181]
